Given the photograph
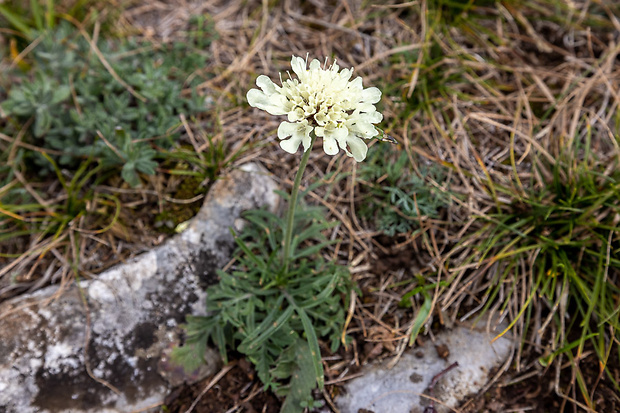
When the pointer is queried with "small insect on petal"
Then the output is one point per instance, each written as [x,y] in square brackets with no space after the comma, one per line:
[384,137]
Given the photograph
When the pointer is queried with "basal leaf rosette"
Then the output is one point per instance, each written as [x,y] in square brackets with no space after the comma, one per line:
[323,101]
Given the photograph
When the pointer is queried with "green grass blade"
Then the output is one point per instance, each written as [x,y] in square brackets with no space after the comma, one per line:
[37,14]
[420,318]
[18,22]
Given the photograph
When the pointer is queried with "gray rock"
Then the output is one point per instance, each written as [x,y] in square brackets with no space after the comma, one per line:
[102,345]
[399,390]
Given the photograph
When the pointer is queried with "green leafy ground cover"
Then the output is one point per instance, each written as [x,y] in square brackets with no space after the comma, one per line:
[78,107]
[88,123]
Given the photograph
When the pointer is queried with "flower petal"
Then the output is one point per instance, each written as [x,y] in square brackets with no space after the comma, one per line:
[290,145]
[358,148]
[356,84]
[266,85]
[274,104]
[330,146]
[315,64]
[346,74]
[339,132]
[287,129]
[299,66]
[366,129]
[306,140]
[371,95]
[299,133]
[366,107]
[374,117]
[296,114]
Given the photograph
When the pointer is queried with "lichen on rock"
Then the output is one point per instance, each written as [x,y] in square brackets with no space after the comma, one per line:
[128,321]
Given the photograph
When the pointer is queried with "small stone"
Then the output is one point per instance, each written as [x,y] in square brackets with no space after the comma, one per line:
[415,378]
[398,389]
[442,351]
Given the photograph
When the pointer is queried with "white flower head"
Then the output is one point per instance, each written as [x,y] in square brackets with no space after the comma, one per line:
[322,100]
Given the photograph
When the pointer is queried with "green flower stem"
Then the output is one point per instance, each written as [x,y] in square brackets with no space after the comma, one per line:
[292,204]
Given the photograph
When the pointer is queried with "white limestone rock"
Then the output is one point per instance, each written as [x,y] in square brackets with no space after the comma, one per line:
[399,390]
[134,310]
